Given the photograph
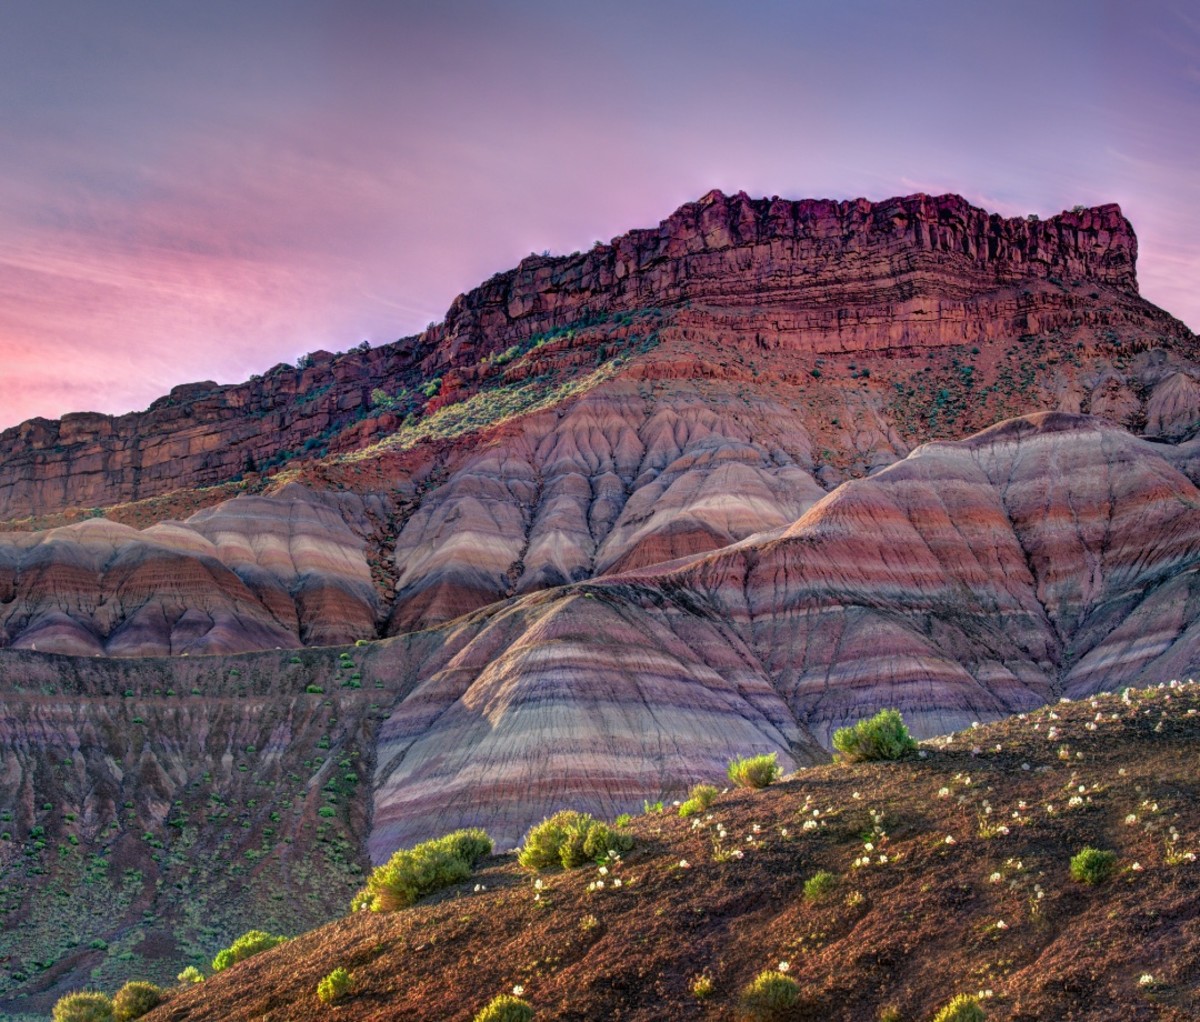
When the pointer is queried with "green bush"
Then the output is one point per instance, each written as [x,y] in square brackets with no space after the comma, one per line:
[699,799]
[754,771]
[769,996]
[190,975]
[569,839]
[83,1006]
[506,1008]
[412,873]
[134,999]
[820,885]
[249,944]
[964,1008]
[335,986]
[884,736]
[1093,866]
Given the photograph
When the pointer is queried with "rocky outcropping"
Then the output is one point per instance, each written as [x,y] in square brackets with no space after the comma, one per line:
[807,278]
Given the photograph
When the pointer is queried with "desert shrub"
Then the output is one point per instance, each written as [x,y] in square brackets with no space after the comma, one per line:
[335,986]
[1093,866]
[820,885]
[190,975]
[768,997]
[884,736]
[703,986]
[754,771]
[699,798]
[412,873]
[506,1008]
[249,944]
[83,1006]
[569,839]
[134,999]
[964,1008]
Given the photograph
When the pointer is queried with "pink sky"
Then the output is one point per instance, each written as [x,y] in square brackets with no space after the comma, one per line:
[200,191]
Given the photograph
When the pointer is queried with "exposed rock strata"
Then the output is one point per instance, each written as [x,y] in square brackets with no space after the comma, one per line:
[808,278]
[1051,556]
[253,573]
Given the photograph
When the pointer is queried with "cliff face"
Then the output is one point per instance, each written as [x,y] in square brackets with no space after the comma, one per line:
[809,277]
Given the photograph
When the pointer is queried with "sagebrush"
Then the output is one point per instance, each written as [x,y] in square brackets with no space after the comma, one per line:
[412,873]
[1093,866]
[882,737]
[83,1006]
[570,839]
[134,999]
[249,944]
[769,997]
[506,1008]
[754,771]
[335,986]
[964,1008]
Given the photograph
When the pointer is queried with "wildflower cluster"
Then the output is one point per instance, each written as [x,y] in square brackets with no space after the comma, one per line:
[874,841]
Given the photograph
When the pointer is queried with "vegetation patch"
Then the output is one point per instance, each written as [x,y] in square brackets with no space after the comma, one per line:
[249,944]
[569,839]
[883,737]
[412,873]
[754,771]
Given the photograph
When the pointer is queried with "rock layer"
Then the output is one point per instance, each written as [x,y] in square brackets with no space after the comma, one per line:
[1050,556]
[253,573]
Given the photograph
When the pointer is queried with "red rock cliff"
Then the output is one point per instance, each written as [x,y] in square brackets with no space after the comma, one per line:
[814,275]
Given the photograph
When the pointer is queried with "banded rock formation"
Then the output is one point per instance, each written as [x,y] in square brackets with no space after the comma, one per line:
[1049,556]
[253,573]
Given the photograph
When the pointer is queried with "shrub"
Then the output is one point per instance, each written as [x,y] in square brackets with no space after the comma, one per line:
[769,996]
[699,798]
[884,736]
[83,1006]
[964,1008]
[412,873]
[335,986]
[249,944]
[703,986]
[134,999]
[569,839]
[820,885]
[754,771]
[1093,866]
[190,975]
[506,1008]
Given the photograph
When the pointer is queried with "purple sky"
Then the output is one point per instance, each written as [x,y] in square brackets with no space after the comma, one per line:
[200,190]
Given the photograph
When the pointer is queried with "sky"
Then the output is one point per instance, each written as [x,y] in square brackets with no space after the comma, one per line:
[194,191]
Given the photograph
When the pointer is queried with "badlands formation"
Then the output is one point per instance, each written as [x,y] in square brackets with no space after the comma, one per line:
[718,487]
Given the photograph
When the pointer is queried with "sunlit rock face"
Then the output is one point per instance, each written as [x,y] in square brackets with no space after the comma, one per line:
[253,573]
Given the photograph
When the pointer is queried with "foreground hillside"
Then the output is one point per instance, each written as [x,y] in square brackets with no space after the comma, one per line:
[952,875]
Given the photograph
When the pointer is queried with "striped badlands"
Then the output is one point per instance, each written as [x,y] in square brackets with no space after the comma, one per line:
[1049,556]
